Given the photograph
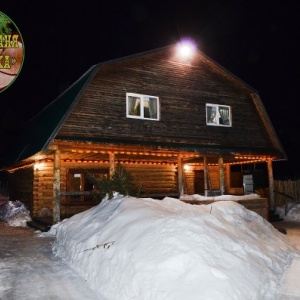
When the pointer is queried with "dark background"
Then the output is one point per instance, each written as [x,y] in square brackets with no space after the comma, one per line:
[258,41]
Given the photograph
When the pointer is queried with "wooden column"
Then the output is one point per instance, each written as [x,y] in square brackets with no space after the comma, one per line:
[111,163]
[271,185]
[221,175]
[205,168]
[56,187]
[180,175]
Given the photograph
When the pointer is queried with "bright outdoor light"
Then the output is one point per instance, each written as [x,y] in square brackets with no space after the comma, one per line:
[39,165]
[187,167]
[186,48]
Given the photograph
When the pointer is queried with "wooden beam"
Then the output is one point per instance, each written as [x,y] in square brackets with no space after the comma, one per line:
[56,187]
[205,168]
[221,175]
[180,175]
[111,163]
[271,184]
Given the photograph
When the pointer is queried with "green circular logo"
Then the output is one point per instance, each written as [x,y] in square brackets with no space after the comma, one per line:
[12,52]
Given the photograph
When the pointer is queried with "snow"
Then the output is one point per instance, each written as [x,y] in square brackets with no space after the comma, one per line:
[293,212]
[222,197]
[142,248]
[14,213]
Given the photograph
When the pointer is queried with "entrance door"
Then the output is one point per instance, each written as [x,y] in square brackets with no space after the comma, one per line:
[199,182]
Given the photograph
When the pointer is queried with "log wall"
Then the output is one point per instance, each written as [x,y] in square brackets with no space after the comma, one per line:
[20,184]
[43,187]
[155,180]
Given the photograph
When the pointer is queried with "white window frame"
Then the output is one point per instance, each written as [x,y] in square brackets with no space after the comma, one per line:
[217,115]
[143,100]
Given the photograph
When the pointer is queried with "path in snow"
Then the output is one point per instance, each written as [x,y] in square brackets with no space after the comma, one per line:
[291,288]
[29,270]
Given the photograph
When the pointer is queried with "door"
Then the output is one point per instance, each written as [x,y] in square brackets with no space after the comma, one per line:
[199,182]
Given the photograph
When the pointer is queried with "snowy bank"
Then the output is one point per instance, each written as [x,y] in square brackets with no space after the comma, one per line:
[292,214]
[14,213]
[130,248]
[219,198]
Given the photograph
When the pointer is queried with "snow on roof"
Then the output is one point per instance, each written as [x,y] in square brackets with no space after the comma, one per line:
[142,248]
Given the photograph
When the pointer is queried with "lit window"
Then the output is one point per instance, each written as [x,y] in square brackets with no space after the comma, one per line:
[142,106]
[218,115]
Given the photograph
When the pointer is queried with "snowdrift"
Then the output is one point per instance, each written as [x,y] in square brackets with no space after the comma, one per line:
[14,213]
[130,248]
[292,212]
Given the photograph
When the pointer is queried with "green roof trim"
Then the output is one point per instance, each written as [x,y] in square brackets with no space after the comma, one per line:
[43,127]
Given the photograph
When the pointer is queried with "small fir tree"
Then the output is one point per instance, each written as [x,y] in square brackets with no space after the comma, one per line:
[121,181]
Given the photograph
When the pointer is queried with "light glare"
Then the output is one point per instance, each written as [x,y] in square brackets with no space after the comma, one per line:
[186,49]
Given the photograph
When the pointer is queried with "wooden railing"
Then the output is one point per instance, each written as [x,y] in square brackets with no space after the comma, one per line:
[78,205]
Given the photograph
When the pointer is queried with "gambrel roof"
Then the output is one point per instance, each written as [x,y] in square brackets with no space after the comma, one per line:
[92,109]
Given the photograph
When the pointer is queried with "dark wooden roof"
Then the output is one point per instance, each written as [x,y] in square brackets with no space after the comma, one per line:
[42,128]
[93,109]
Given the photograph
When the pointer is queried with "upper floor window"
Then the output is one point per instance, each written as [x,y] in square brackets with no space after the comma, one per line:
[218,115]
[142,106]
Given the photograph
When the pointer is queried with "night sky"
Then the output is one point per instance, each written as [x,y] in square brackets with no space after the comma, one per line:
[258,41]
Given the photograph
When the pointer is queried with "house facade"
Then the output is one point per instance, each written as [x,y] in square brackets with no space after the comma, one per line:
[177,125]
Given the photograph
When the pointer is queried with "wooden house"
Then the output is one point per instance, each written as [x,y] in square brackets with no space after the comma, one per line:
[179,125]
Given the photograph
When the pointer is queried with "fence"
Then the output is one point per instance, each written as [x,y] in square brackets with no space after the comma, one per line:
[286,191]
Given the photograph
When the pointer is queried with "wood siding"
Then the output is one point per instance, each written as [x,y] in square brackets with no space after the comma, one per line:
[183,91]
[43,187]
[155,179]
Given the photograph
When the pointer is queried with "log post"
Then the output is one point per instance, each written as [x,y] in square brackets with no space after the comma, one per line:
[205,167]
[56,187]
[111,163]
[180,175]
[221,175]
[271,184]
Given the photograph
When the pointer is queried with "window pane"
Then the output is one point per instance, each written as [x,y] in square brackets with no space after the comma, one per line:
[134,106]
[224,115]
[150,108]
[212,115]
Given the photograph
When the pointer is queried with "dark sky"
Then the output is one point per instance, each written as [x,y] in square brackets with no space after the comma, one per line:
[258,41]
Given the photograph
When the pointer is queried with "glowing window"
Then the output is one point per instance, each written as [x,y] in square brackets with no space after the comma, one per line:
[140,106]
[218,115]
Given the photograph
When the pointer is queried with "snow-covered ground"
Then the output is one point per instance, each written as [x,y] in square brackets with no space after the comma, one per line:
[291,212]
[142,248]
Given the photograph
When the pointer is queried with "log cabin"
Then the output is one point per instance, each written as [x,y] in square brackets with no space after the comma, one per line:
[179,124]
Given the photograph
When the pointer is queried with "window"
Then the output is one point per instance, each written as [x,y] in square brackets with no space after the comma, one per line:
[142,106]
[218,115]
